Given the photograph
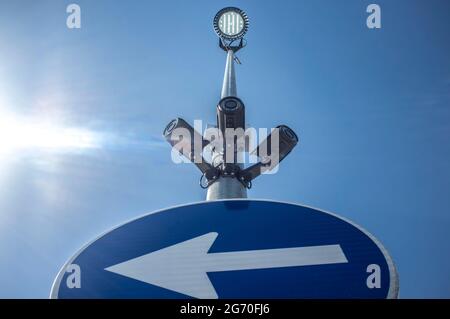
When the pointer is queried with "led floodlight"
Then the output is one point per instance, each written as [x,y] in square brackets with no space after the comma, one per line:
[231,23]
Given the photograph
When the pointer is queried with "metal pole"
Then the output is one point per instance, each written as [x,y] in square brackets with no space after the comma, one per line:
[226,187]
[229,77]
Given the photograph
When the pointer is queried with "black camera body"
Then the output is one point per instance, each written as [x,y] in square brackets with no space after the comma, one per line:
[287,140]
[230,114]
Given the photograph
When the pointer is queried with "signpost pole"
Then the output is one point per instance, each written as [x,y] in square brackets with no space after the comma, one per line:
[226,187]
[229,78]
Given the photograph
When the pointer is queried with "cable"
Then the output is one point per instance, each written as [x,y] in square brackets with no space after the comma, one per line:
[203,186]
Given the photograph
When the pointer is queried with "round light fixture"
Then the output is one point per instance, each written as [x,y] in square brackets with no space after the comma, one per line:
[231,23]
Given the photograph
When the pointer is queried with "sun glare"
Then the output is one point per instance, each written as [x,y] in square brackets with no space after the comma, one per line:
[18,133]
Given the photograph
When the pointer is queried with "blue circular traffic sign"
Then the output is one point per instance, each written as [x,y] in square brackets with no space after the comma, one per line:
[231,249]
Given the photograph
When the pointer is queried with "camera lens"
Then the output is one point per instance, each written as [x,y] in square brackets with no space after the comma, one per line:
[169,128]
[289,133]
[230,104]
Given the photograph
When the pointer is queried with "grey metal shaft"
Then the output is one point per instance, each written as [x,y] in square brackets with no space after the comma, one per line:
[226,187]
[229,78]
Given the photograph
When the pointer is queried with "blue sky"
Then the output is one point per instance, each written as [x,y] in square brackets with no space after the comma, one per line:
[82,111]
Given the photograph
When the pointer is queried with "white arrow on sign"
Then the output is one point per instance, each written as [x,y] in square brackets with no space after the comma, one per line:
[183,267]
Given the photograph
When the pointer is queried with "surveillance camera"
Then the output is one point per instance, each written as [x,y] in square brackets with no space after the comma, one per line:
[230,114]
[231,124]
[187,141]
[287,140]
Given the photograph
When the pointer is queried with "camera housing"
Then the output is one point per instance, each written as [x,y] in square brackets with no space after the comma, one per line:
[188,142]
[287,140]
[231,124]
[230,114]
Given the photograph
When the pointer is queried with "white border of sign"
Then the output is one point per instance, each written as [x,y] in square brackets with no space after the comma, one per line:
[393,274]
